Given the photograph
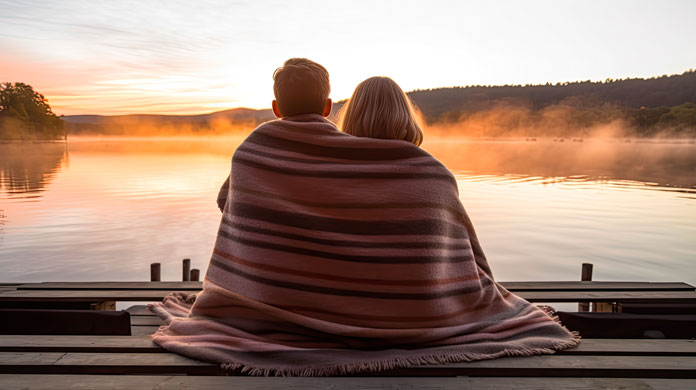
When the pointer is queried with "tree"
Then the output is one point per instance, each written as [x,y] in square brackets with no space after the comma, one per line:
[25,113]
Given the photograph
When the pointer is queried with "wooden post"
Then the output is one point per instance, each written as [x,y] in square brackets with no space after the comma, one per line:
[585,276]
[155,272]
[605,307]
[186,270]
[195,275]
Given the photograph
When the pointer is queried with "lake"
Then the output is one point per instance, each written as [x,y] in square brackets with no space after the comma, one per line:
[104,209]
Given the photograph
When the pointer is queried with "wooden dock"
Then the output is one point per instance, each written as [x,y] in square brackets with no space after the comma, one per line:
[134,362]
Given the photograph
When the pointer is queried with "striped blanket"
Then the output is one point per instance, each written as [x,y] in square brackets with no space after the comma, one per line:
[338,254]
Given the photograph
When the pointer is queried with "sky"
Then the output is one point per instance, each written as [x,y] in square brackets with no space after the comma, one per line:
[184,57]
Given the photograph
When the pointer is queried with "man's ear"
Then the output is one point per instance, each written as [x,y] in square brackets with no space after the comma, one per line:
[276,110]
[327,108]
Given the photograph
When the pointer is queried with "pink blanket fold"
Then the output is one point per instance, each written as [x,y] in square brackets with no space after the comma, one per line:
[338,254]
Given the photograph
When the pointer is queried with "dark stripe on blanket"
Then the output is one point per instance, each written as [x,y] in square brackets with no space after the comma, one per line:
[455,209]
[349,293]
[348,153]
[344,257]
[330,162]
[422,227]
[337,278]
[345,316]
[343,174]
[346,243]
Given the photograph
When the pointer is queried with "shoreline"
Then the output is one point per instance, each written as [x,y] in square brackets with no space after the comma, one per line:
[34,141]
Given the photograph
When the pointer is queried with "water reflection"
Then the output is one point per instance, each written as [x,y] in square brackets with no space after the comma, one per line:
[649,164]
[26,168]
[540,208]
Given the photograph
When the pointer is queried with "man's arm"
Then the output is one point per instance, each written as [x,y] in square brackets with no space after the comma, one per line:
[222,195]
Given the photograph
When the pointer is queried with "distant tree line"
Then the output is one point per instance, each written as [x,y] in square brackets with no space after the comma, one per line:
[677,120]
[649,106]
[25,114]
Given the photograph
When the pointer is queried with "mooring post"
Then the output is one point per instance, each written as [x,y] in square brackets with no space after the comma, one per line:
[155,272]
[186,270]
[585,276]
[195,275]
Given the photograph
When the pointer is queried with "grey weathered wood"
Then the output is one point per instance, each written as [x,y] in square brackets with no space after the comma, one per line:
[166,382]
[512,286]
[167,286]
[84,382]
[34,343]
[155,272]
[45,343]
[546,365]
[33,358]
[597,286]
[102,363]
[532,296]
[186,270]
[565,365]
[146,320]
[608,296]
[143,330]
[585,276]
[83,295]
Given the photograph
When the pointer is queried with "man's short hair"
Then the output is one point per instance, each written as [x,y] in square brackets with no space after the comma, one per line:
[301,86]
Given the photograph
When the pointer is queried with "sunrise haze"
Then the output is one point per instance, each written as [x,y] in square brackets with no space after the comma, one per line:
[179,57]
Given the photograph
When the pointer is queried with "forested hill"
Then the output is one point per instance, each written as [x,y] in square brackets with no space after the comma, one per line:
[220,122]
[440,103]
[661,106]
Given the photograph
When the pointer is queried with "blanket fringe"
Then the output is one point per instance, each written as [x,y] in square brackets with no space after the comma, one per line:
[394,363]
[551,312]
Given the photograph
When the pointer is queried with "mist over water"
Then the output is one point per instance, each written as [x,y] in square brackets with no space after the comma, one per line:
[648,162]
[105,208]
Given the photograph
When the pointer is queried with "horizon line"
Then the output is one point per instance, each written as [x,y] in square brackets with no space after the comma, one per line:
[548,83]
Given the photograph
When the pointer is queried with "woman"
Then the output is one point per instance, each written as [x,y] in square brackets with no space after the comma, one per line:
[343,252]
[380,109]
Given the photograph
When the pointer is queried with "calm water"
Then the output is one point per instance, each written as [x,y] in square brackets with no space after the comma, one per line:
[105,209]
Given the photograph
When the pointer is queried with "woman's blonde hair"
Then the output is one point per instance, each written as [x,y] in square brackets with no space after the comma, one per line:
[379,108]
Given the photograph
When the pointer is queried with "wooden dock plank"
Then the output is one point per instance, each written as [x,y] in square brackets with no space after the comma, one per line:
[532,366]
[82,295]
[34,358]
[167,286]
[84,382]
[35,343]
[146,320]
[597,286]
[150,382]
[532,296]
[512,286]
[140,330]
[45,343]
